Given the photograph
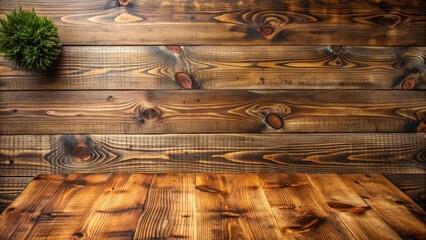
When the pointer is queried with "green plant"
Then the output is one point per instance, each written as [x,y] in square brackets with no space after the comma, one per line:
[29,40]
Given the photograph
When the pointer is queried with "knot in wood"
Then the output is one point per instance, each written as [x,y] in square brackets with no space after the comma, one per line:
[388,20]
[174,49]
[83,153]
[266,29]
[124,2]
[408,83]
[150,113]
[336,48]
[79,234]
[184,80]
[274,120]
[422,127]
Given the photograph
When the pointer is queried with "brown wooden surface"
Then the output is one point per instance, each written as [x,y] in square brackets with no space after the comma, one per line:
[412,185]
[61,112]
[212,206]
[225,67]
[222,22]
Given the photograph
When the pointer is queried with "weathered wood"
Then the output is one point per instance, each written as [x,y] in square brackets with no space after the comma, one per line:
[69,205]
[10,188]
[395,208]
[299,209]
[215,153]
[350,208]
[412,185]
[18,219]
[233,207]
[225,67]
[62,112]
[223,22]
[116,211]
[169,209]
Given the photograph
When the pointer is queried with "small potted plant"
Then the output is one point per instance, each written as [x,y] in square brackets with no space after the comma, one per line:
[30,41]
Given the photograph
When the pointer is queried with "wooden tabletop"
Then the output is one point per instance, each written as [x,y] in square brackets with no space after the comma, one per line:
[212,206]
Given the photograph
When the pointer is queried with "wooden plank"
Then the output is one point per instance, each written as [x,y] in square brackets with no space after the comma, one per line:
[68,206]
[350,208]
[18,219]
[395,208]
[10,188]
[225,67]
[232,111]
[412,185]
[116,211]
[387,22]
[233,207]
[169,209]
[213,153]
[300,211]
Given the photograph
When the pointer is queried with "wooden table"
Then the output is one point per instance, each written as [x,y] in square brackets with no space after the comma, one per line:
[212,206]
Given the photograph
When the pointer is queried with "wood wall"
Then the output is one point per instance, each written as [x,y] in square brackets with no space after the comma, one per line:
[221,86]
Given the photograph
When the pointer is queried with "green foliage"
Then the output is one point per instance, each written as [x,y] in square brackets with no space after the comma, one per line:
[29,40]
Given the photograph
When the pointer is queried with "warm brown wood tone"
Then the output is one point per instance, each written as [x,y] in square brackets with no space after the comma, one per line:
[395,208]
[351,209]
[413,185]
[10,187]
[211,206]
[233,207]
[169,210]
[232,153]
[19,218]
[299,210]
[225,67]
[222,22]
[61,112]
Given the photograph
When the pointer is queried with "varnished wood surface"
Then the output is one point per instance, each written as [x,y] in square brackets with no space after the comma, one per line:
[212,206]
[225,67]
[227,111]
[221,22]
[412,185]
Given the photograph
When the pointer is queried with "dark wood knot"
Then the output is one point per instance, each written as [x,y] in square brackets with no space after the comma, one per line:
[79,234]
[150,113]
[422,127]
[184,80]
[175,49]
[274,120]
[124,2]
[408,83]
[83,153]
[266,30]
[385,20]
[336,49]
[110,98]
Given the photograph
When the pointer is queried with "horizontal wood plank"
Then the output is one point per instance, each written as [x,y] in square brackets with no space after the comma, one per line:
[300,22]
[225,67]
[10,188]
[227,111]
[412,185]
[28,155]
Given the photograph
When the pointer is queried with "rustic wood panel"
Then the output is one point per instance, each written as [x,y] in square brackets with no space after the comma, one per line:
[169,209]
[233,207]
[111,22]
[62,112]
[350,208]
[28,155]
[69,204]
[226,67]
[20,215]
[300,211]
[412,185]
[10,188]
[115,213]
[391,204]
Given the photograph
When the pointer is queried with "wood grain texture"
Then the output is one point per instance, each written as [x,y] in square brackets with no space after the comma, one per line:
[18,219]
[169,209]
[115,213]
[385,22]
[198,153]
[412,185]
[233,207]
[299,209]
[391,204]
[62,112]
[10,188]
[68,205]
[350,208]
[225,67]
